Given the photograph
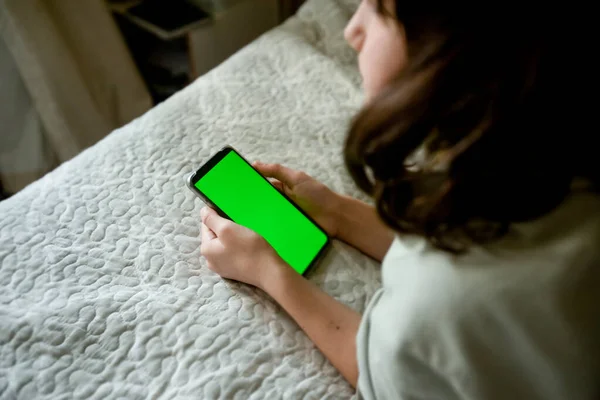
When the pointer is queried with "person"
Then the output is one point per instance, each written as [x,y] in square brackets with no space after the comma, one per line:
[487,215]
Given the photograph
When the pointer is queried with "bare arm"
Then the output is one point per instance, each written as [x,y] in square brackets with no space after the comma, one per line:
[359,225]
[331,325]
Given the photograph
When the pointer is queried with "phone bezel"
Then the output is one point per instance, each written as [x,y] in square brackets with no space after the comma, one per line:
[214,160]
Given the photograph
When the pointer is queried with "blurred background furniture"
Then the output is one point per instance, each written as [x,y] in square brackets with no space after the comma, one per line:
[174,42]
[69,81]
[72,71]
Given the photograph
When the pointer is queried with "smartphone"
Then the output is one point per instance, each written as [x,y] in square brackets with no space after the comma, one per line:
[230,185]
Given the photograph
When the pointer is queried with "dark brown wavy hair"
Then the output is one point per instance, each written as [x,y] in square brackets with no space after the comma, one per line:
[485,126]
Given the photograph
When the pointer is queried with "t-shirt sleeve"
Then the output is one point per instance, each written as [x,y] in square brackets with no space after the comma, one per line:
[404,379]
[409,383]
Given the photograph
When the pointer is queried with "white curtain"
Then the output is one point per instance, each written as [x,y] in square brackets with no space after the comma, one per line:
[24,151]
[75,66]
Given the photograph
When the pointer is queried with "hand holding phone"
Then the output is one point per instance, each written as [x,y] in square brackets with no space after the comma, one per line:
[320,202]
[236,191]
[236,252]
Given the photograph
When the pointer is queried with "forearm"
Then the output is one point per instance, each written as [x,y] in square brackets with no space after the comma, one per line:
[360,226]
[331,325]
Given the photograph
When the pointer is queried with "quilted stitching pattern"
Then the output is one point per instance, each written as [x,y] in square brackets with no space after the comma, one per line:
[103,293]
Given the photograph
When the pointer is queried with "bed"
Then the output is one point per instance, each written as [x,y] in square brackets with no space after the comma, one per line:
[103,292]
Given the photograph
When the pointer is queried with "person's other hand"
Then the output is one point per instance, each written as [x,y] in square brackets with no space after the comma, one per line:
[236,252]
[316,199]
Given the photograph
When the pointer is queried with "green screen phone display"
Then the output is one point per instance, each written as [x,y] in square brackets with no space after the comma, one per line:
[250,200]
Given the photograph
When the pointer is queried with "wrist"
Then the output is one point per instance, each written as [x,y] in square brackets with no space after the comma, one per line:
[338,213]
[275,275]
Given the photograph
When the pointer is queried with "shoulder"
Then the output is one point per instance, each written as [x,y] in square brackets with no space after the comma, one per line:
[566,242]
[506,314]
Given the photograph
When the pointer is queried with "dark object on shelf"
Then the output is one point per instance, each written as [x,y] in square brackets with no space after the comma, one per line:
[163,64]
[167,19]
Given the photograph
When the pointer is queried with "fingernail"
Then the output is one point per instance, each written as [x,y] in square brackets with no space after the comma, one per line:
[203,212]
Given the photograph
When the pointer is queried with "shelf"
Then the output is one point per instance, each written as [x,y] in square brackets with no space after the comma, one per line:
[124,8]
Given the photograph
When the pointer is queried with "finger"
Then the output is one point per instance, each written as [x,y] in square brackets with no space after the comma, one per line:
[278,185]
[214,221]
[286,175]
[206,233]
[211,248]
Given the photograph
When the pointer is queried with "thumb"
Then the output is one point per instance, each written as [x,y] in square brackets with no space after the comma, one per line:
[214,221]
[287,176]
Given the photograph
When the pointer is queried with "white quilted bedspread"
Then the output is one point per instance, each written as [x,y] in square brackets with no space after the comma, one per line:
[103,293]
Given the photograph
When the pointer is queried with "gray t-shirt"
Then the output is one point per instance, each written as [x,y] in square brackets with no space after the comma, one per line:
[518,319]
